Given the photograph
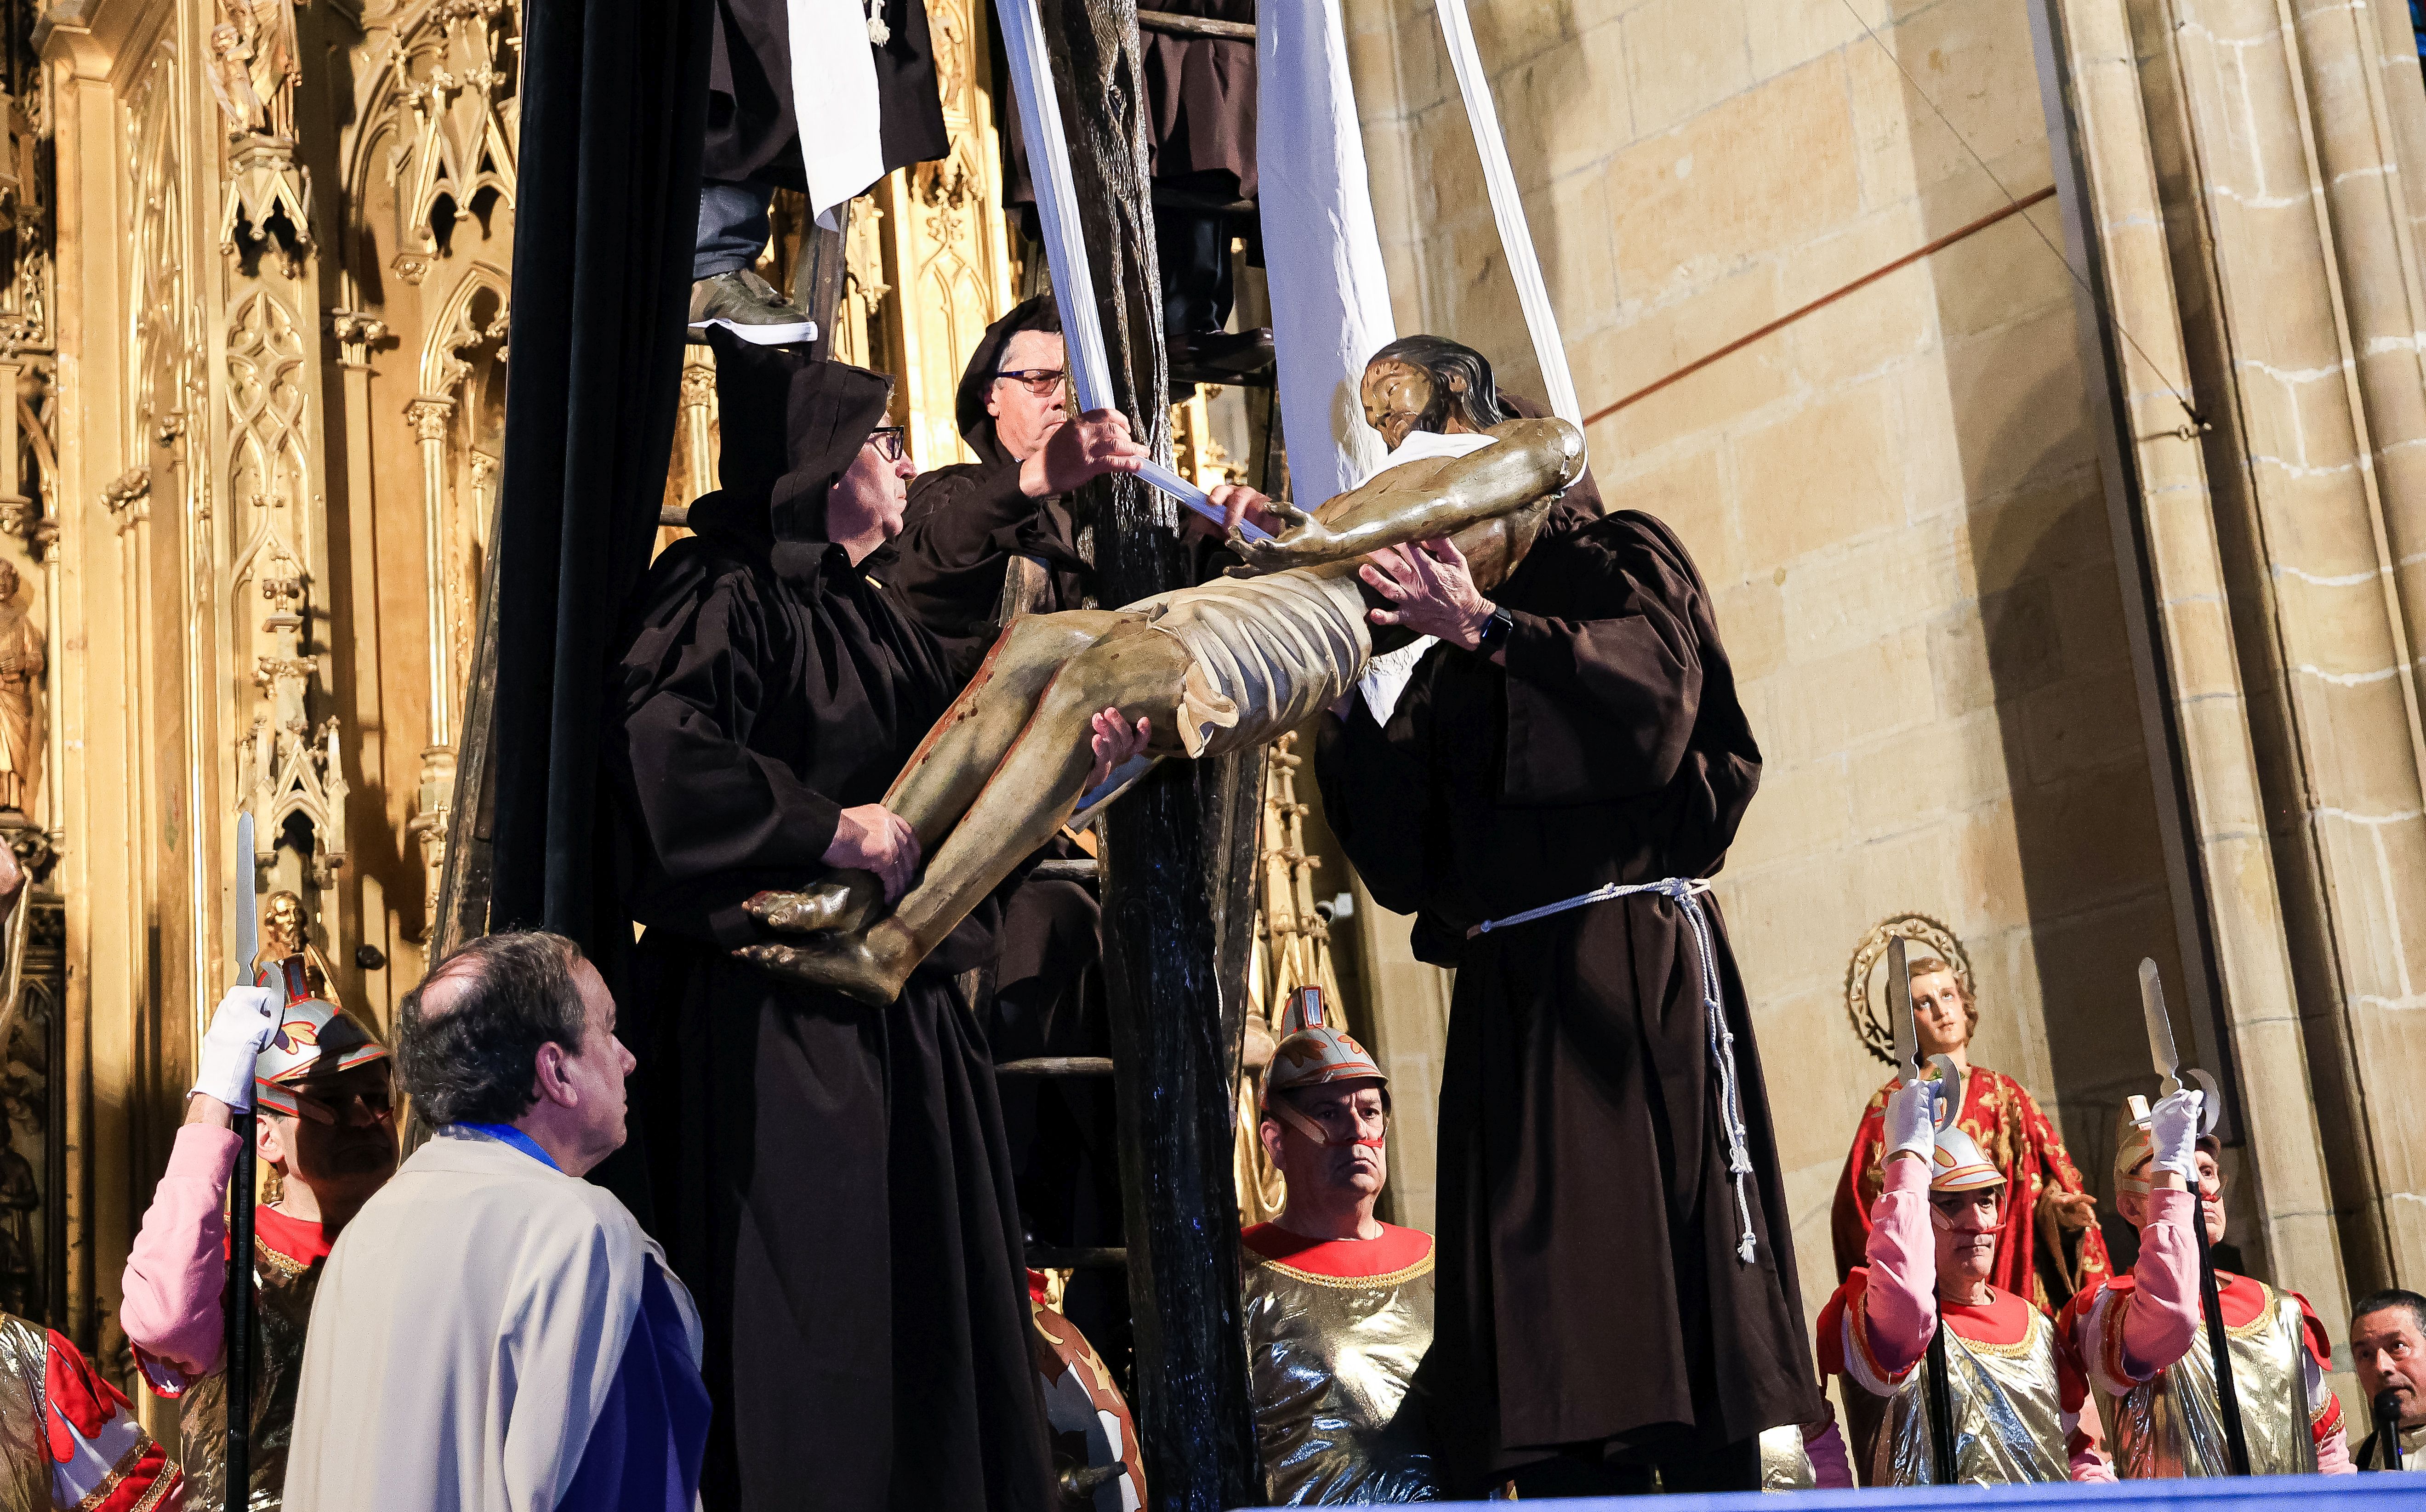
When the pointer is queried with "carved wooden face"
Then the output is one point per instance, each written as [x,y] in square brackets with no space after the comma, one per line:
[281,924]
[1400,397]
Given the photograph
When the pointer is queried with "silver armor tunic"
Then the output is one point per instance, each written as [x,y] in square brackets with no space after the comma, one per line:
[2169,1426]
[1328,1359]
[1784,1463]
[2008,1413]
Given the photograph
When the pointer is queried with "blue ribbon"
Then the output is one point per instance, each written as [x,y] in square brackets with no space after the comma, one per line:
[506,1134]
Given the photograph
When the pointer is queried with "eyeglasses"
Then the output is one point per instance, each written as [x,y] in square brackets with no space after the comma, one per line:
[1042,381]
[890,442]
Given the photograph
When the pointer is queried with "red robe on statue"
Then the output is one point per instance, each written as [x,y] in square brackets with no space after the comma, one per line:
[2036,1257]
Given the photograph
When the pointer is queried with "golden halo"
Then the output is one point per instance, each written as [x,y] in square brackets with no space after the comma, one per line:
[1868,1015]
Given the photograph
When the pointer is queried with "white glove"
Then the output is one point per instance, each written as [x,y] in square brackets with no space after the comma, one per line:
[240,1027]
[1912,1121]
[2172,1134]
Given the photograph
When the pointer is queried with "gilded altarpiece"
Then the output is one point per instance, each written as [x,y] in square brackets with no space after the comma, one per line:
[253,336]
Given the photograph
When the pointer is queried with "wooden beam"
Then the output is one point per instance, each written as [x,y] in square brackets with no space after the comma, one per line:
[1179,856]
[1173,24]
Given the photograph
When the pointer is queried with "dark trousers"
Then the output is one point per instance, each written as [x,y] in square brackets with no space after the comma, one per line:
[731,227]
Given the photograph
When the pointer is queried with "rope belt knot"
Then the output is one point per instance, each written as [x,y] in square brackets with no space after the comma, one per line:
[1686,892]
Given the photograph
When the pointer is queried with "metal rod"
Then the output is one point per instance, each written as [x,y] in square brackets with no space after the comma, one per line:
[2227,1395]
[1941,1408]
[1057,1065]
[239,1321]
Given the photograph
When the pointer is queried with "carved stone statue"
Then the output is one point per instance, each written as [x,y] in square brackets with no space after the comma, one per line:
[1216,667]
[22,662]
[254,67]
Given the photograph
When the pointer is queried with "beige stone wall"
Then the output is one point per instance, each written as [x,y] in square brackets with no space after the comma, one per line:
[1896,501]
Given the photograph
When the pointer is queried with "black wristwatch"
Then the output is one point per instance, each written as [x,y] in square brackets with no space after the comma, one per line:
[1496,631]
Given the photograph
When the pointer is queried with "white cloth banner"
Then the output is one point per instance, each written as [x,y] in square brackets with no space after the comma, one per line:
[1515,237]
[834,99]
[1065,242]
[1322,256]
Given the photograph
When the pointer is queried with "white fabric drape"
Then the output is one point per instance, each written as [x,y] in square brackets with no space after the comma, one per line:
[834,99]
[1065,243]
[1515,237]
[1322,256]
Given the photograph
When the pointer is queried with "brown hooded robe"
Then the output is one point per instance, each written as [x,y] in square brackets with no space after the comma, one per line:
[1590,1296]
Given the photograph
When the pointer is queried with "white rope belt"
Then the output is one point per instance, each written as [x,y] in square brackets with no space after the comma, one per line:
[1686,892]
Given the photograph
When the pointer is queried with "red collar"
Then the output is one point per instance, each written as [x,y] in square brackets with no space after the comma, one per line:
[297,1240]
[2003,1319]
[1343,1259]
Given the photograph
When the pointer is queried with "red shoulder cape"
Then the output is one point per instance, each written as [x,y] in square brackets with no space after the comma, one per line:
[1341,1259]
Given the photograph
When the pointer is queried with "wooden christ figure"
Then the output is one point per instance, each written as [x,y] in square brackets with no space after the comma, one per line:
[1203,670]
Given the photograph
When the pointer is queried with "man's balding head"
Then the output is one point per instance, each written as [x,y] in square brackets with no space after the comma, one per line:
[468,1036]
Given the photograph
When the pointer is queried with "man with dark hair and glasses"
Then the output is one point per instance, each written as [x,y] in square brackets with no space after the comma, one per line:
[326,1128]
[975,526]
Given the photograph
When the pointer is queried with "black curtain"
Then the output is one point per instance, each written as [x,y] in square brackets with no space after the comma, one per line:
[614,103]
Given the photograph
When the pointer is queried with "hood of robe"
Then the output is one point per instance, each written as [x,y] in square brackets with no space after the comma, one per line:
[790,424]
[969,400]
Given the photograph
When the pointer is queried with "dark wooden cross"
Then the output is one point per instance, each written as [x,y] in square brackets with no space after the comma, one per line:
[1179,868]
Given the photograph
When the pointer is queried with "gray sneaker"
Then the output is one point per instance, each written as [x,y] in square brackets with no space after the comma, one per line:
[748,306]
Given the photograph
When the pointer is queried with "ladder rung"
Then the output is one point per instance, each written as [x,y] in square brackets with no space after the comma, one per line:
[1176,24]
[1057,1065]
[1075,869]
[1047,1257]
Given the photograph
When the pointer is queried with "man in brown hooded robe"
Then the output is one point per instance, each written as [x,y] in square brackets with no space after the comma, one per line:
[830,1179]
[1616,1285]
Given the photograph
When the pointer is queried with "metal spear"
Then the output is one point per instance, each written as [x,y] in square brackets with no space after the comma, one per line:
[2169,1065]
[1937,1387]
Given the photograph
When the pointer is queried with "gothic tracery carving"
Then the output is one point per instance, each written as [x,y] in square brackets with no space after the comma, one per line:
[457,120]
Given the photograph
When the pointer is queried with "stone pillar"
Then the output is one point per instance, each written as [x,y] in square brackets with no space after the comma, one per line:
[430,416]
[2362,113]
[2289,243]
[2191,687]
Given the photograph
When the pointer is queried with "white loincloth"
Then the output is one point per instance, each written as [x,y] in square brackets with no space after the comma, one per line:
[1269,652]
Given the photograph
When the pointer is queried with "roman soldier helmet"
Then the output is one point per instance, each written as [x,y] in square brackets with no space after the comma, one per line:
[1958,1165]
[1312,1052]
[313,1039]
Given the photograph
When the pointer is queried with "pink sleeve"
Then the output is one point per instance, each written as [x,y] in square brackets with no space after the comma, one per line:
[1830,1470]
[2333,1454]
[2161,1315]
[1900,1308]
[178,1265]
